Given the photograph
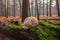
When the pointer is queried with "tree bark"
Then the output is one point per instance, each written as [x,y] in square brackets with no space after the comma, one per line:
[29,12]
[14,8]
[24,9]
[37,9]
[1,8]
[32,8]
[43,7]
[20,8]
[47,7]
[50,7]
[57,4]
[6,14]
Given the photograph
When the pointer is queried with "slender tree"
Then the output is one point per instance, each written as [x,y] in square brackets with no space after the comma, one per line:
[6,14]
[14,8]
[24,9]
[20,7]
[43,7]
[50,6]
[29,12]
[32,7]
[57,3]
[37,9]
[8,9]
[47,7]
[5,8]
[1,8]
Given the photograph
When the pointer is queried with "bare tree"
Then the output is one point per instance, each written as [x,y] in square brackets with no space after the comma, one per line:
[47,7]
[32,7]
[8,8]
[29,12]
[37,9]
[6,14]
[14,8]
[20,5]
[43,7]
[1,8]
[50,6]
[24,9]
[57,3]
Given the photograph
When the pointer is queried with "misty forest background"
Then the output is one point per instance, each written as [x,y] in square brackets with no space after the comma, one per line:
[34,7]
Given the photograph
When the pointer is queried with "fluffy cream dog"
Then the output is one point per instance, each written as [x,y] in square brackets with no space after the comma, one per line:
[30,22]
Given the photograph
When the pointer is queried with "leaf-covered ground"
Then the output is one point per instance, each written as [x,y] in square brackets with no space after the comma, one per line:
[46,30]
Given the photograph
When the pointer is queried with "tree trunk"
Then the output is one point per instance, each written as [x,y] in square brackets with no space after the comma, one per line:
[29,12]
[1,8]
[57,4]
[6,8]
[37,9]
[43,7]
[14,9]
[50,7]
[47,7]
[24,9]
[32,8]
[20,8]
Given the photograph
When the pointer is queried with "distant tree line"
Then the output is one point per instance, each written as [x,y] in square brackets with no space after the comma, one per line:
[23,9]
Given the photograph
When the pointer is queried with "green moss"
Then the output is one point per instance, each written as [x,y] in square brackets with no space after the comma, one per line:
[44,32]
[14,26]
